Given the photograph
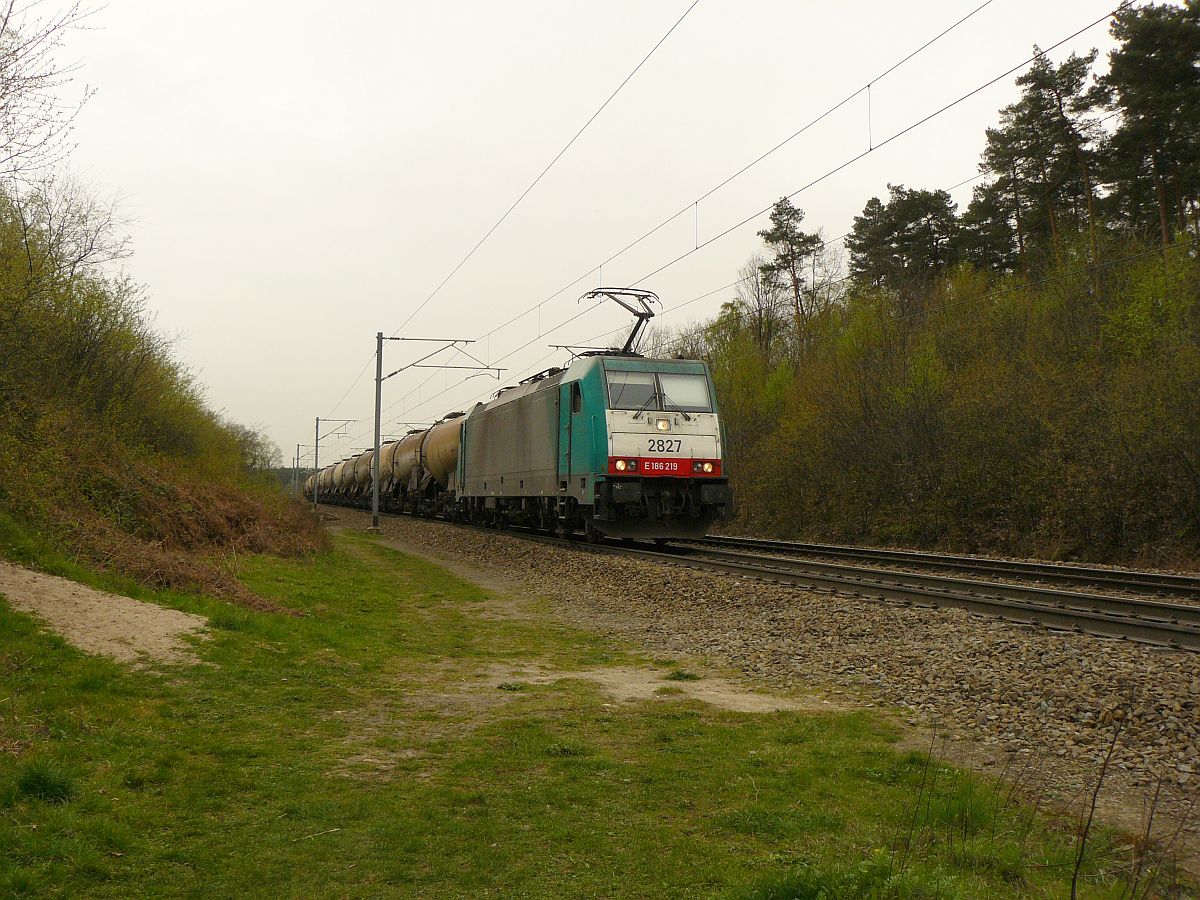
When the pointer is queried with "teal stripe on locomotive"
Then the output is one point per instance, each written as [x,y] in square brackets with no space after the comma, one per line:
[583,429]
[543,439]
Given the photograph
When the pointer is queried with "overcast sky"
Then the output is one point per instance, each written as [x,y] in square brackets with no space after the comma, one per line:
[301,175]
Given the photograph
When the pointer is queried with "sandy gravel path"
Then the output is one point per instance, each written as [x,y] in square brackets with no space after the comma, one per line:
[98,622]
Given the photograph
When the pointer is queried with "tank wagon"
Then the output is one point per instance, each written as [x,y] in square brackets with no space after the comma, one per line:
[613,445]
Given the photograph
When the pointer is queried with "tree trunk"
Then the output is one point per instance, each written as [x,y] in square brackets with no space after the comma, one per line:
[1180,205]
[1091,201]
[1160,194]
[797,300]
[1051,216]
[1020,230]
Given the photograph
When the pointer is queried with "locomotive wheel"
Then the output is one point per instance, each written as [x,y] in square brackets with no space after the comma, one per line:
[592,535]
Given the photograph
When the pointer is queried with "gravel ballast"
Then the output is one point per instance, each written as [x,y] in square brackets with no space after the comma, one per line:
[1006,697]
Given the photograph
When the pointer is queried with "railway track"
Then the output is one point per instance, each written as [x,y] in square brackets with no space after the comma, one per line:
[1154,621]
[1151,621]
[1124,580]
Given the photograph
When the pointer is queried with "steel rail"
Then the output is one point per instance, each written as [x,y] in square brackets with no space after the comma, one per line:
[1106,603]
[1071,612]
[1173,635]
[1130,580]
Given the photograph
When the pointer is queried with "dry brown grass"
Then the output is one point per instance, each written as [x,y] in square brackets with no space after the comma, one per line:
[158,522]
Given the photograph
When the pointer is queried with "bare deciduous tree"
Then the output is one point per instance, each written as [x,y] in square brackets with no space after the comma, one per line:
[75,231]
[761,303]
[35,120]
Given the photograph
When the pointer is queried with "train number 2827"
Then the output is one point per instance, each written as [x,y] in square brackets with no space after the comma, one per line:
[665,445]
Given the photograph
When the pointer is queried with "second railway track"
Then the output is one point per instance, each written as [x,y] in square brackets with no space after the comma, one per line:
[1165,624]
[1124,580]
[1144,620]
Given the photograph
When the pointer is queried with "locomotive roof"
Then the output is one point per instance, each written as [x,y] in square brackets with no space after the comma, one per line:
[507,395]
[642,364]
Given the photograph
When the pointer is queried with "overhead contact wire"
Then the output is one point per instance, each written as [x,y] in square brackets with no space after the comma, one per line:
[522,196]
[750,165]
[899,134]
[549,166]
[645,236]
[724,182]
[924,120]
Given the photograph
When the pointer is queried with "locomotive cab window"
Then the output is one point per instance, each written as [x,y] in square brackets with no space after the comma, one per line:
[576,398]
[631,390]
[669,391]
[688,393]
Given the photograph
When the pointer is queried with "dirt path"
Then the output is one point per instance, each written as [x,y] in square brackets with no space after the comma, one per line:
[508,599]
[638,683]
[98,622]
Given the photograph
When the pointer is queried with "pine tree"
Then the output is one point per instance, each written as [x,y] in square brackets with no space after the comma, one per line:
[792,250]
[987,230]
[1153,159]
[1005,201]
[1057,100]
[904,243]
[1042,154]
[870,251]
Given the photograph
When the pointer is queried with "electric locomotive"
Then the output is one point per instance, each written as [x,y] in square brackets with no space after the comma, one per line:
[614,444]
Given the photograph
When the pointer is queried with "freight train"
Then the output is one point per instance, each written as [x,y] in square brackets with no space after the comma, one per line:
[614,445]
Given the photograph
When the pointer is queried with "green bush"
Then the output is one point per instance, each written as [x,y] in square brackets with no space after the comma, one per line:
[1056,417]
[106,444]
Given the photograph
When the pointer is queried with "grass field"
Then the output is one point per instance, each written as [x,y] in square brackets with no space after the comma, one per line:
[374,746]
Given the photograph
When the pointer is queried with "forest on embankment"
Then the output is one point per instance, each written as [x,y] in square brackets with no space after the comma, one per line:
[1022,376]
[109,452]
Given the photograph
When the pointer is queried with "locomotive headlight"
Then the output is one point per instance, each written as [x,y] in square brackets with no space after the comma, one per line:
[708,467]
[662,424]
[620,465]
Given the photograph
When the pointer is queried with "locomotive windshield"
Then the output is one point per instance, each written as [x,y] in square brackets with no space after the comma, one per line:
[669,391]
[684,392]
[631,390]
